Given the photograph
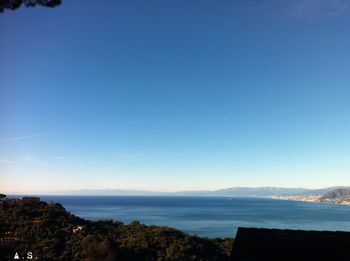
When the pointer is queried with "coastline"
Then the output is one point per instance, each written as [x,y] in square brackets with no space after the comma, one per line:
[53,233]
[313,199]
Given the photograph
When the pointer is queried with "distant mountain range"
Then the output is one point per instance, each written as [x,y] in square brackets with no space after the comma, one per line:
[262,192]
[110,192]
[229,192]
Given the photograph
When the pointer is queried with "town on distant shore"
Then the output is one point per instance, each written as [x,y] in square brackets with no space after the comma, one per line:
[337,196]
[331,195]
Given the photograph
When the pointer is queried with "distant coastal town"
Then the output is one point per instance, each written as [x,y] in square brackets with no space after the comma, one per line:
[316,199]
[338,196]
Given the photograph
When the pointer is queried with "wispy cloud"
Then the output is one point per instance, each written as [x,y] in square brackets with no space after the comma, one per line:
[66,159]
[317,9]
[25,137]
[118,155]
[128,155]
[33,161]
[3,161]
[305,10]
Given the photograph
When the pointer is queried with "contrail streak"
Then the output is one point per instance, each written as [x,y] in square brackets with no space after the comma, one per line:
[25,137]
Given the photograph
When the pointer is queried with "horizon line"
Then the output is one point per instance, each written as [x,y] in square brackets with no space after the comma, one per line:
[140,192]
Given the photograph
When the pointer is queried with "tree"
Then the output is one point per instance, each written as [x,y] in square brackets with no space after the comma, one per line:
[15,4]
[2,196]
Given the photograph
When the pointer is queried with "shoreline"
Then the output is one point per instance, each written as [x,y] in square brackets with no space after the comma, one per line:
[312,199]
[51,232]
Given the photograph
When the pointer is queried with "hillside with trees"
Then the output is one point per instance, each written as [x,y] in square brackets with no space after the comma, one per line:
[340,196]
[15,4]
[52,233]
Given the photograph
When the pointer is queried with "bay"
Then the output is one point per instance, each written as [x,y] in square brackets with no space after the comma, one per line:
[209,216]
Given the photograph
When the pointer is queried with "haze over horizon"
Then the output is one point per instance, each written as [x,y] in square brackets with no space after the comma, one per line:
[174,96]
[240,191]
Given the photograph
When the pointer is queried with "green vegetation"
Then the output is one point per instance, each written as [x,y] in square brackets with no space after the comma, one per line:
[52,233]
[15,4]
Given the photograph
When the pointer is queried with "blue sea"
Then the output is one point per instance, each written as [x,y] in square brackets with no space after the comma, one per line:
[209,216]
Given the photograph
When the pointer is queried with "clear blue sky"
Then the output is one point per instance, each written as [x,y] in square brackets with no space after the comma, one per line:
[175,95]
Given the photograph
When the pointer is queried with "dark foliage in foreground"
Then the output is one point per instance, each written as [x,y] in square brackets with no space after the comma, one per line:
[15,4]
[52,233]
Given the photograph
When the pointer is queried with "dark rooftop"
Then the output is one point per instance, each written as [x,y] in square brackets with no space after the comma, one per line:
[274,244]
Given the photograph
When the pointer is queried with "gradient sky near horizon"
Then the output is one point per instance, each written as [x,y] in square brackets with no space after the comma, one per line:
[175,95]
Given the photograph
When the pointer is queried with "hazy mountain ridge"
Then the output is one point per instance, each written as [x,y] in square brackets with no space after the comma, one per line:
[229,192]
[265,192]
[111,192]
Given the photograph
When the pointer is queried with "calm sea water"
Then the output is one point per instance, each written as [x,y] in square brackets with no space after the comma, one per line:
[209,216]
